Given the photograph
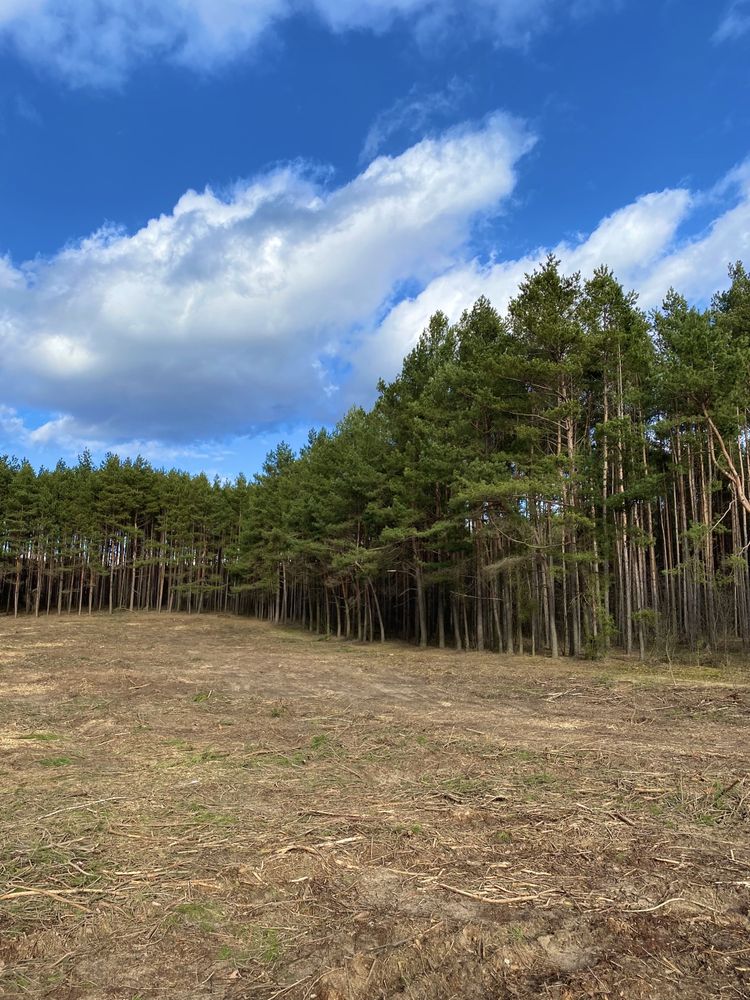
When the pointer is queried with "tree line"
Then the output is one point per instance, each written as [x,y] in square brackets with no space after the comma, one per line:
[566,477]
[119,536]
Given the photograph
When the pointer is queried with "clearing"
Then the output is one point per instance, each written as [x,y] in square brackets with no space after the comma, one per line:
[208,807]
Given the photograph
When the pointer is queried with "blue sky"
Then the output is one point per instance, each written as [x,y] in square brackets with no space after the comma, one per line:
[223,220]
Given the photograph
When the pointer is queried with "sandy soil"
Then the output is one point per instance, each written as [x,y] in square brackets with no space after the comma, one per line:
[207,807]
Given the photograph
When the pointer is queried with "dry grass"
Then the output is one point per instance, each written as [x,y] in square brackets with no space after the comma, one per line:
[207,807]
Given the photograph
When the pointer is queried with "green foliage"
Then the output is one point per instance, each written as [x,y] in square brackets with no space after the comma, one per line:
[567,477]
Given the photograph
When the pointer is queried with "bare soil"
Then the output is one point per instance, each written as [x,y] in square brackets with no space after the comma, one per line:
[207,807]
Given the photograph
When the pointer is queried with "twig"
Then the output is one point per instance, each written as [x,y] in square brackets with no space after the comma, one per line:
[672,899]
[623,819]
[81,805]
[59,896]
[497,902]
[333,815]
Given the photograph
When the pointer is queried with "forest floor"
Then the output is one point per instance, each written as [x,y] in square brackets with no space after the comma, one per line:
[208,807]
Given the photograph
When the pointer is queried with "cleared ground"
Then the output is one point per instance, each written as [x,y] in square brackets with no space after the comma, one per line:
[208,807]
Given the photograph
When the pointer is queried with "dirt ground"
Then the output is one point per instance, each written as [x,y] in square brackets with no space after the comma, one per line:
[207,807]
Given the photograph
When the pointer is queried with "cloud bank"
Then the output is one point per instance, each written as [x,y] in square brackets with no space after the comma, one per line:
[234,313]
[281,302]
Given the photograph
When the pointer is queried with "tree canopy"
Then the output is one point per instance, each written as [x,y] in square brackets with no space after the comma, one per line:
[568,476]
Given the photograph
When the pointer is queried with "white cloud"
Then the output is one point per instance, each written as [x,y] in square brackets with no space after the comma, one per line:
[631,239]
[735,23]
[282,302]
[233,314]
[639,242]
[99,41]
[63,436]
[411,115]
[12,428]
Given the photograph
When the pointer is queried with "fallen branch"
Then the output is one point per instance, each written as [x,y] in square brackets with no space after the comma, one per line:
[672,899]
[59,896]
[623,819]
[497,902]
[81,805]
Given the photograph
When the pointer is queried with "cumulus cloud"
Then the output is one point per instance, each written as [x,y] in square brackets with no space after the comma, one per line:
[234,313]
[64,435]
[99,41]
[282,301]
[640,242]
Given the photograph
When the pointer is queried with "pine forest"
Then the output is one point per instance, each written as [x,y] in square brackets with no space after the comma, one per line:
[569,477]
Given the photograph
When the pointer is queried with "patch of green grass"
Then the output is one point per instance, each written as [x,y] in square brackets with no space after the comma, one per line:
[710,807]
[539,779]
[21,982]
[321,746]
[516,933]
[246,944]
[199,915]
[41,737]
[62,761]
[206,756]
[267,944]
[502,837]
[296,759]
[409,830]
[324,745]
[719,792]
[52,861]
[202,696]
[263,945]
[467,786]
[201,814]
[38,857]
